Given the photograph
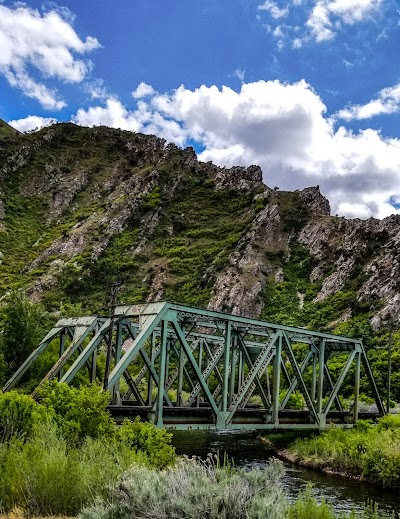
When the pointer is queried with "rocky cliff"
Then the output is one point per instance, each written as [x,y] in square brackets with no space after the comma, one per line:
[82,208]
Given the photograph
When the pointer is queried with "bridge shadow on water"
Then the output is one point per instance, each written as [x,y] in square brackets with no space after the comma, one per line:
[246,450]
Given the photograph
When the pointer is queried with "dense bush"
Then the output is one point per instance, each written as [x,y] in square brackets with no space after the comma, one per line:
[79,413]
[20,415]
[194,489]
[144,437]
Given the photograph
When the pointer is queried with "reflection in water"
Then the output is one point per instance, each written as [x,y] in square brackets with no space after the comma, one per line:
[248,451]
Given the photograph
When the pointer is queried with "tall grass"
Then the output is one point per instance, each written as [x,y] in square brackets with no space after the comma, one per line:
[45,477]
[369,451]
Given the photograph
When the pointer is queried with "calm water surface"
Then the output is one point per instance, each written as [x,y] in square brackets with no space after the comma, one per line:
[248,451]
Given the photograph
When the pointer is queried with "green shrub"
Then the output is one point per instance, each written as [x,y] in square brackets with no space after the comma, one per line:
[143,436]
[389,422]
[79,413]
[20,415]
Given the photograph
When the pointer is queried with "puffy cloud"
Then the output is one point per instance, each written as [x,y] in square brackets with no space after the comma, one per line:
[143,90]
[144,120]
[45,42]
[387,102]
[280,126]
[274,10]
[32,122]
[325,13]
[319,20]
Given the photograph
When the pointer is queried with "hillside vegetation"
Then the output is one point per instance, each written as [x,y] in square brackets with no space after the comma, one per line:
[81,208]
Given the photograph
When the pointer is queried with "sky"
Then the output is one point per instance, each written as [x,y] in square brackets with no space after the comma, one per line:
[307,89]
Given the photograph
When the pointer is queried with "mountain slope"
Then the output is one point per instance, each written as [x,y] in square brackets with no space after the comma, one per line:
[81,208]
[6,130]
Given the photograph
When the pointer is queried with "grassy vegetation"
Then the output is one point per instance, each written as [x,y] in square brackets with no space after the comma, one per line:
[6,130]
[369,451]
[47,469]
[62,454]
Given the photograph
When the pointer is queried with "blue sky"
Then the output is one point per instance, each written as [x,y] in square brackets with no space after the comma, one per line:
[308,89]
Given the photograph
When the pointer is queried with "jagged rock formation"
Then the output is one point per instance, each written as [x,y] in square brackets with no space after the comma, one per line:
[81,208]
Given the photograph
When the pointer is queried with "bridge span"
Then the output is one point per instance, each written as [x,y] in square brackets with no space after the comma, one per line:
[182,367]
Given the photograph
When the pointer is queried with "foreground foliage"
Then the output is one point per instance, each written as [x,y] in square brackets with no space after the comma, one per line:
[371,451]
[44,476]
[194,489]
[58,456]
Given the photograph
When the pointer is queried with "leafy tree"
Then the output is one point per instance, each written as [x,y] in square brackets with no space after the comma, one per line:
[24,325]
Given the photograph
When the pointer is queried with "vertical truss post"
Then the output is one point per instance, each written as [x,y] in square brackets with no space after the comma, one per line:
[62,349]
[314,375]
[357,386]
[227,354]
[321,369]
[200,362]
[276,380]
[179,398]
[114,292]
[118,354]
[240,371]
[93,372]
[233,371]
[162,372]
[267,384]
[150,379]
[202,379]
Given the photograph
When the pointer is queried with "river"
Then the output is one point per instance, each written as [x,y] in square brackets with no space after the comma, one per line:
[248,451]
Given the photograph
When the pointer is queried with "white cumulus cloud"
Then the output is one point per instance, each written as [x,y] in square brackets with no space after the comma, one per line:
[327,14]
[32,122]
[46,43]
[283,127]
[387,102]
[142,119]
[274,10]
[143,90]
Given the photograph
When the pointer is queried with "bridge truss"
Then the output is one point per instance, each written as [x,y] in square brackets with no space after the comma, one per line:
[189,368]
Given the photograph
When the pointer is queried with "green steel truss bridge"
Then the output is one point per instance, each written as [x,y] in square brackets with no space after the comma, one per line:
[189,368]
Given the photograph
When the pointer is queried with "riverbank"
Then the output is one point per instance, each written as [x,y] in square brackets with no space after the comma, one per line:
[287,455]
[369,452]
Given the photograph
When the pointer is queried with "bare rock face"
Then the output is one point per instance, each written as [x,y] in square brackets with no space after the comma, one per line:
[311,196]
[238,178]
[158,275]
[337,279]
[370,245]
[238,289]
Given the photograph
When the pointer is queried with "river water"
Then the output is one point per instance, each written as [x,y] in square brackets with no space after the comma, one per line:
[248,451]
